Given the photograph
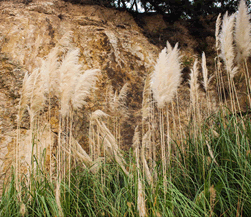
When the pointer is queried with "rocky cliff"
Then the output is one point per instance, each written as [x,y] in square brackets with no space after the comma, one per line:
[108,40]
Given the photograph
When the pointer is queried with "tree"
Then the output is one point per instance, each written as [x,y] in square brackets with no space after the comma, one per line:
[174,8]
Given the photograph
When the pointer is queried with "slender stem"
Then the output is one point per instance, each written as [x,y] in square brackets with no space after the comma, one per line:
[70,146]
[247,79]
[50,145]
[163,153]
[59,149]
[168,144]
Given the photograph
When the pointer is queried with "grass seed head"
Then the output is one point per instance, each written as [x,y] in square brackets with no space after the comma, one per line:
[226,41]
[217,31]
[167,76]
[242,32]
[194,86]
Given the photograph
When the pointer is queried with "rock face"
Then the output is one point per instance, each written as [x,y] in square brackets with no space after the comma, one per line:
[108,40]
[11,82]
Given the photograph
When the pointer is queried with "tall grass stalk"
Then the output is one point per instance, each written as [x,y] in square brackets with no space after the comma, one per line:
[165,81]
[227,53]
[224,185]
[206,81]
[243,41]
[219,77]
[146,116]
[194,88]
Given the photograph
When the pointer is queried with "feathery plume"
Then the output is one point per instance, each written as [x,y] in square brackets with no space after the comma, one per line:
[37,100]
[204,71]
[146,108]
[242,32]
[81,153]
[135,140]
[69,70]
[28,85]
[206,81]
[123,93]
[64,42]
[111,145]
[49,72]
[217,31]
[32,92]
[119,102]
[194,83]
[98,114]
[226,40]
[24,96]
[169,47]
[114,101]
[167,76]
[84,84]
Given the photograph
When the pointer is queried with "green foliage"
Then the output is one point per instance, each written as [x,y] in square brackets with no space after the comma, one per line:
[229,175]
[199,185]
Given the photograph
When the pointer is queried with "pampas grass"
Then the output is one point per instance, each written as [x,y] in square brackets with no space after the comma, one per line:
[226,42]
[166,76]
[242,32]
[117,108]
[32,99]
[50,78]
[147,99]
[227,53]
[205,72]
[208,176]
[84,84]
[217,31]
[74,87]
[194,97]
[147,125]
[194,85]
[109,141]
[165,81]
[219,79]
[206,80]
[37,99]
[145,141]
[243,41]
[62,80]
[69,71]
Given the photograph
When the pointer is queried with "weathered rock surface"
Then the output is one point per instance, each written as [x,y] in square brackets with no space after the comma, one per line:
[108,39]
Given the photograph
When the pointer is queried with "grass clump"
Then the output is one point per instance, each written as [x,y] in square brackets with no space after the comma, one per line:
[200,169]
[200,186]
